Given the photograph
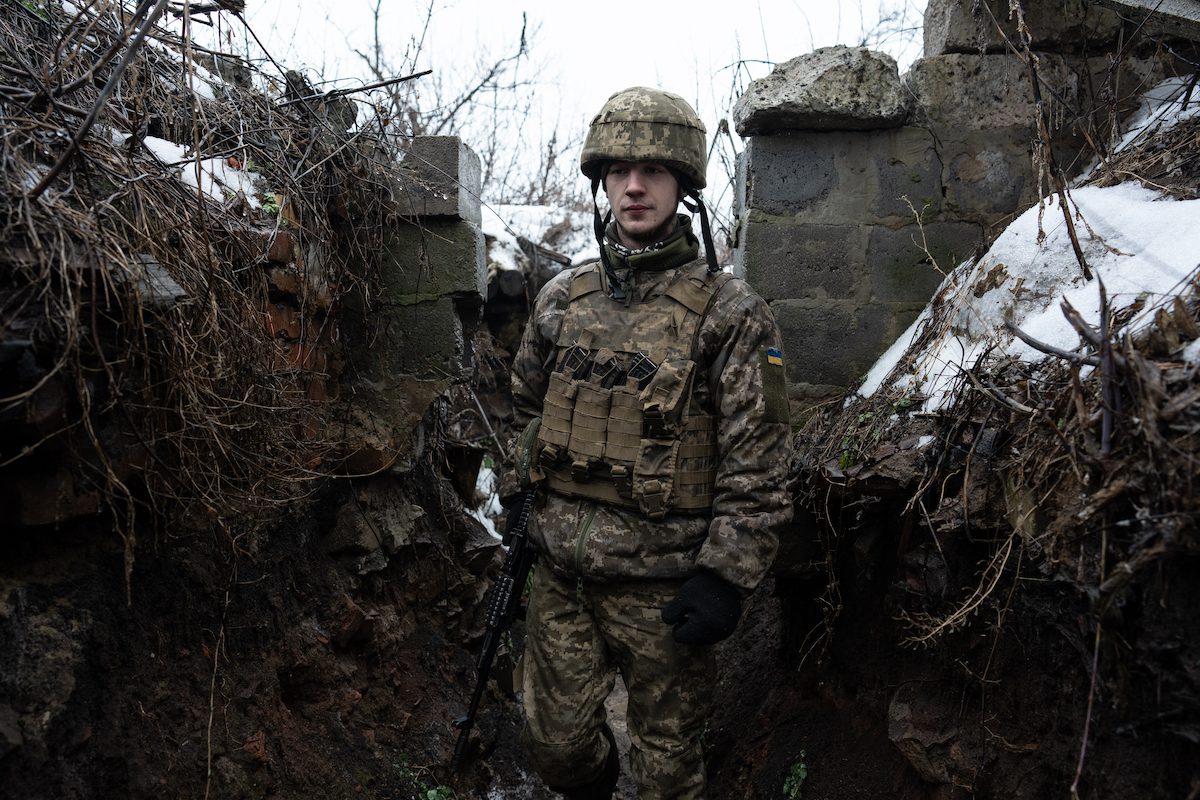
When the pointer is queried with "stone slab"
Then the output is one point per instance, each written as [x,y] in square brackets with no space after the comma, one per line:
[442,178]
[966,26]
[832,88]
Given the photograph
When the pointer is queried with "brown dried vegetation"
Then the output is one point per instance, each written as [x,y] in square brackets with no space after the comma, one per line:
[201,330]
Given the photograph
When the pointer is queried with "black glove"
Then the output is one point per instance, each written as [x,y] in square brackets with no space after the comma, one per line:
[705,611]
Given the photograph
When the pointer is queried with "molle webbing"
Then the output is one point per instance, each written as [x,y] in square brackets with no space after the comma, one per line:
[612,433]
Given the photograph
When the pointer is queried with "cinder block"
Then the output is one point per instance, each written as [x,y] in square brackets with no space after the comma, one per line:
[791,173]
[906,174]
[434,258]
[966,26]
[781,259]
[989,180]
[832,342]
[841,177]
[442,178]
[902,261]
[423,338]
[959,92]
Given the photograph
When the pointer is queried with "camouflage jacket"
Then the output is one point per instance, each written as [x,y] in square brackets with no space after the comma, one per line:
[596,541]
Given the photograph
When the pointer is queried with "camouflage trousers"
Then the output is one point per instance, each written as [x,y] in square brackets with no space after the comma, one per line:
[579,635]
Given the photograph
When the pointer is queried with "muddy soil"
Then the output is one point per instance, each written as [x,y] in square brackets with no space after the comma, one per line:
[996,710]
[298,668]
[284,671]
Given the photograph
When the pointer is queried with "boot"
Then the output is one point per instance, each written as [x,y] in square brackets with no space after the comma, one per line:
[603,785]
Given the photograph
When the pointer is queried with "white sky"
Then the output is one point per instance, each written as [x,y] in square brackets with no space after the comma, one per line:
[580,53]
[588,50]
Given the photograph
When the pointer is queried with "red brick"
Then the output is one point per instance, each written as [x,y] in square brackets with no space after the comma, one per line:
[282,321]
[282,249]
[284,279]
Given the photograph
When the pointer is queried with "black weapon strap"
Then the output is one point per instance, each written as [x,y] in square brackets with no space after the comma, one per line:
[616,289]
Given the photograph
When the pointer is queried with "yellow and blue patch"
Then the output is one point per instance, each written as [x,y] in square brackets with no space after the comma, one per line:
[774,386]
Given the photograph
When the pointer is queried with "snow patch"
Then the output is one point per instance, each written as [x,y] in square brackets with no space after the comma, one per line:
[168,153]
[563,230]
[220,181]
[485,485]
[1140,246]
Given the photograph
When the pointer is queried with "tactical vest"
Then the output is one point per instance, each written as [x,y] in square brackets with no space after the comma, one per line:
[623,421]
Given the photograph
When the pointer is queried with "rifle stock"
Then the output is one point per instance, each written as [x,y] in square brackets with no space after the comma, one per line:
[504,599]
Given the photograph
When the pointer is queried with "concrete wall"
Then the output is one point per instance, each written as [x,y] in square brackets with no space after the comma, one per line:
[850,211]
[412,335]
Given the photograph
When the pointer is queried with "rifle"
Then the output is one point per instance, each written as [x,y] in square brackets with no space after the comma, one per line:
[504,600]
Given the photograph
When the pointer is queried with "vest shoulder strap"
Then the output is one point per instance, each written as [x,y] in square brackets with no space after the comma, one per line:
[696,287]
[586,280]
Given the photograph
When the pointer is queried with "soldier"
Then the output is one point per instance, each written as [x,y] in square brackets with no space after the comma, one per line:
[650,396]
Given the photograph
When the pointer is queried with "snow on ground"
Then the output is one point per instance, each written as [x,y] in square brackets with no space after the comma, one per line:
[1143,247]
[1167,103]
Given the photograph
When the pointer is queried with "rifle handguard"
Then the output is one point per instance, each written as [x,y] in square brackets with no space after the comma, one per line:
[503,599]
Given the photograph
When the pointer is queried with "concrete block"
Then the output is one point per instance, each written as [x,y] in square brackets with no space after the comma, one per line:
[965,26]
[905,173]
[423,338]
[832,88]
[831,343]
[442,178]
[836,177]
[901,262]
[434,258]
[781,259]
[957,92]
[792,173]
[1171,17]
[990,180]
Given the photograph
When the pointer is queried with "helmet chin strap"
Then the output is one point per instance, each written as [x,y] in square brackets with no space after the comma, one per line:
[616,289]
[710,252]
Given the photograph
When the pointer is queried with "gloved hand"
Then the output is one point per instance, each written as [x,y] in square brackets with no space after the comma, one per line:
[705,611]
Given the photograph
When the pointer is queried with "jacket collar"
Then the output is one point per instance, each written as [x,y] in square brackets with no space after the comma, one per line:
[680,248]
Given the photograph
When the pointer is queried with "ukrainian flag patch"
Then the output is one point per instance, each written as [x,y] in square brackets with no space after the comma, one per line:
[774,357]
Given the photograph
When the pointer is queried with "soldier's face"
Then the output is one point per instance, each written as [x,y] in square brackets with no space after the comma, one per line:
[643,196]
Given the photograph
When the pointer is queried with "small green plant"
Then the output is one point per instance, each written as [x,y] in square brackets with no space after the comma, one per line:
[793,784]
[270,205]
[860,435]
[32,7]
[415,776]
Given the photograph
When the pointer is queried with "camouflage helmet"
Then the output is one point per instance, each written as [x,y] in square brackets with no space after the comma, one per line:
[642,124]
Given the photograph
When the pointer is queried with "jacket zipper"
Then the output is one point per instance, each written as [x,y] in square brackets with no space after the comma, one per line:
[585,527]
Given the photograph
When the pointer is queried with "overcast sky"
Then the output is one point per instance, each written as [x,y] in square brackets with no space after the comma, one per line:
[580,53]
[587,50]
